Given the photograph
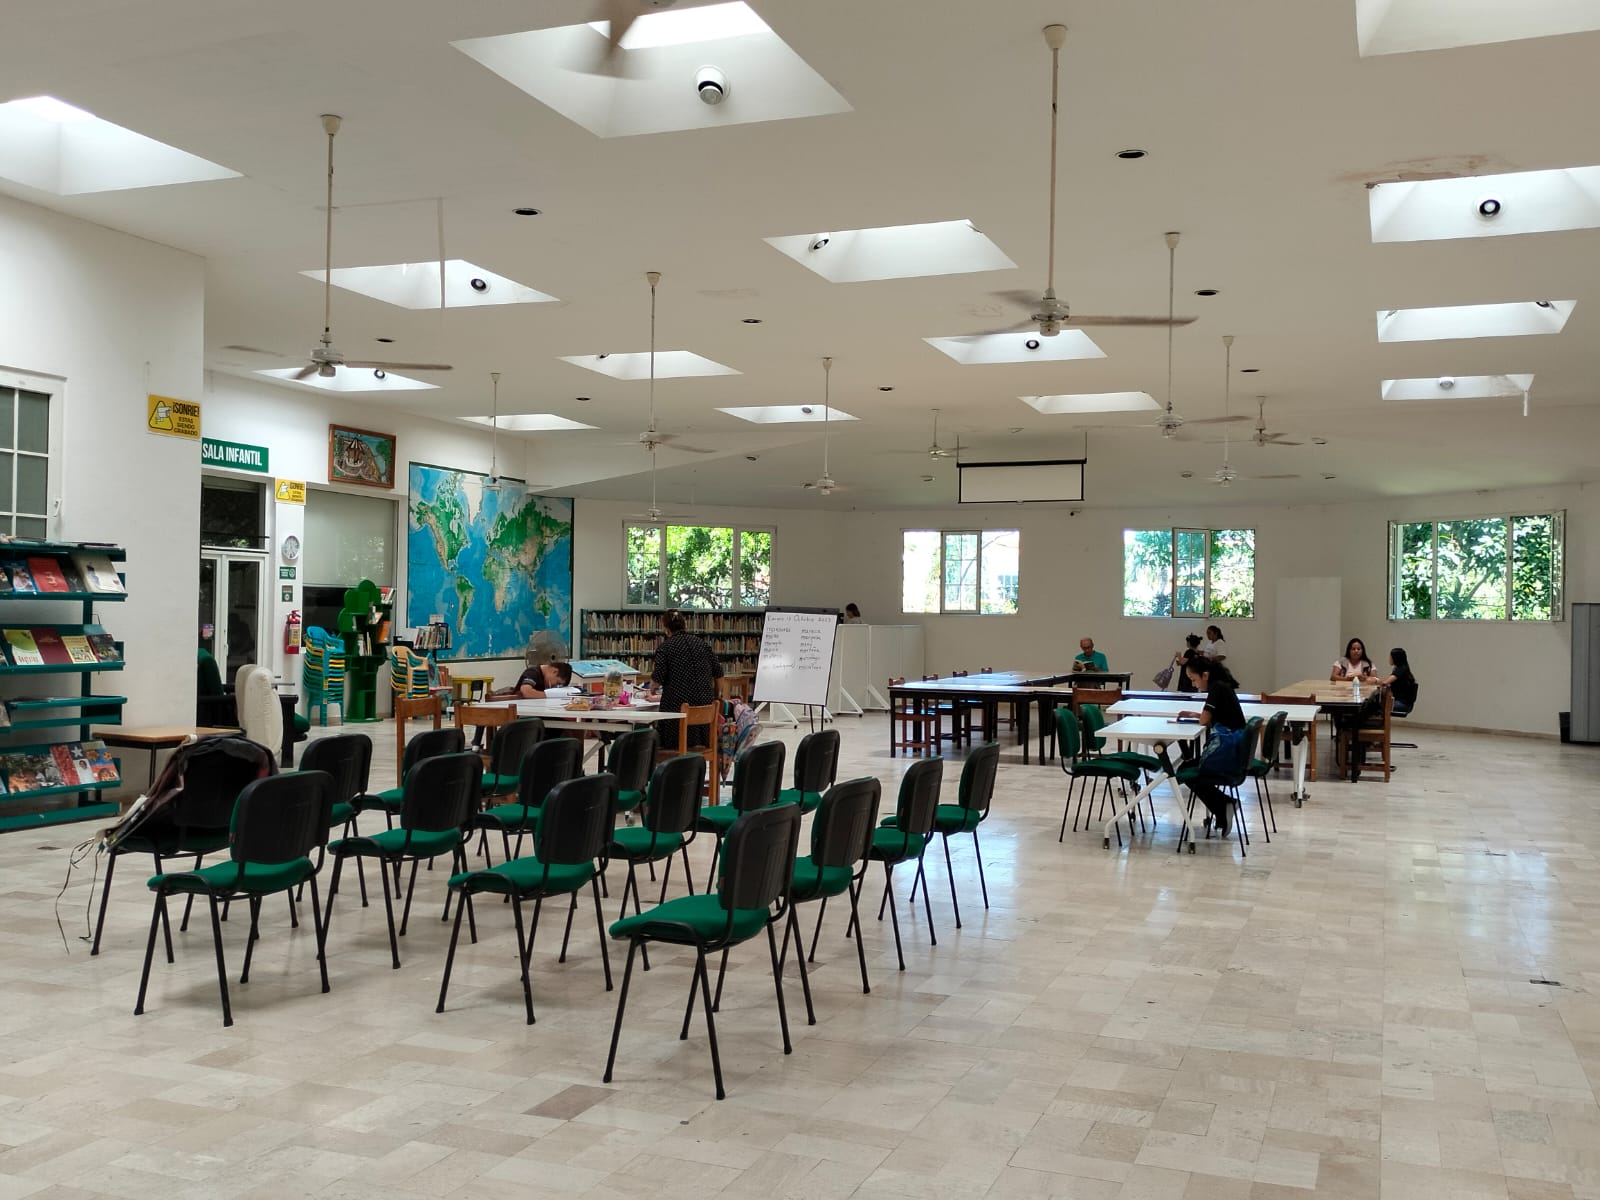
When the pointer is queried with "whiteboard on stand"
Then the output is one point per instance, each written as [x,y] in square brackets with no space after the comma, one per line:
[796,657]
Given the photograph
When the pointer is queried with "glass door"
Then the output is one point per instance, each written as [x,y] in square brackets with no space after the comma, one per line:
[231,609]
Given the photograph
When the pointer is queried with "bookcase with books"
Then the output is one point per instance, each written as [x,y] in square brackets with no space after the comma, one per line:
[39,782]
[632,634]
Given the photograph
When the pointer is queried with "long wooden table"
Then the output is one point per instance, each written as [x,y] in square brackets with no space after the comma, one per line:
[1022,689]
[1334,697]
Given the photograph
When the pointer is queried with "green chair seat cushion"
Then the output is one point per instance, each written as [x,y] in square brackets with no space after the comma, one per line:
[525,876]
[388,800]
[167,843]
[498,785]
[341,813]
[1104,768]
[952,818]
[390,842]
[510,817]
[1148,762]
[808,801]
[691,919]
[718,818]
[1259,768]
[223,878]
[890,845]
[629,800]
[302,723]
[1187,772]
[812,881]
[634,841]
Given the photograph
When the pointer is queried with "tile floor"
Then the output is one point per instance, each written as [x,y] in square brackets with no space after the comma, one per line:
[1350,1012]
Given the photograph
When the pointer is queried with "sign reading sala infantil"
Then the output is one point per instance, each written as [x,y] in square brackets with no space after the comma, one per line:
[240,456]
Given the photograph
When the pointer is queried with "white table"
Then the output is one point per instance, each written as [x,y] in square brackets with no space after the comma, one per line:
[1147,731]
[603,719]
[1303,715]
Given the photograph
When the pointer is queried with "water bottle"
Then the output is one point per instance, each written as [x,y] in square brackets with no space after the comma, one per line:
[1355,689]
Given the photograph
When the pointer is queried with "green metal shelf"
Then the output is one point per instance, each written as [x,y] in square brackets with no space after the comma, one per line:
[113,597]
[59,668]
[65,789]
[24,704]
[58,816]
[98,718]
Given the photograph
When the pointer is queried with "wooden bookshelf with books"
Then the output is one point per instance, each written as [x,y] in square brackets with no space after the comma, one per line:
[36,578]
[632,634]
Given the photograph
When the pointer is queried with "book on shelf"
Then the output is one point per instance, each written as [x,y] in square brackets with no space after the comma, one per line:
[102,767]
[71,763]
[5,715]
[5,578]
[51,648]
[47,576]
[28,772]
[23,649]
[103,644]
[99,573]
[21,579]
[78,648]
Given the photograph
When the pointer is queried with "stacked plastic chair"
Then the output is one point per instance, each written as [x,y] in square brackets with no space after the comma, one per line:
[408,673]
[323,676]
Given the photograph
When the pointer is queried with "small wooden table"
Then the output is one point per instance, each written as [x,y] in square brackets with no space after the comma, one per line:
[155,738]
[464,689]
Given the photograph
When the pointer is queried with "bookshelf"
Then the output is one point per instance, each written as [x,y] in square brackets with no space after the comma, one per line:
[30,620]
[365,625]
[632,634]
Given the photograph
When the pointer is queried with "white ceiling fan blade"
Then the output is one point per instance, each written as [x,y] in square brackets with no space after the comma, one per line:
[307,371]
[1102,322]
[1230,420]
[258,350]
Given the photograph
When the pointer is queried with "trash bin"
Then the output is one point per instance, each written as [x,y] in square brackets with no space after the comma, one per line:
[1566,726]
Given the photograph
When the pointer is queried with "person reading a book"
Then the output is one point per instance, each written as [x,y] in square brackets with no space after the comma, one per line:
[1089,659]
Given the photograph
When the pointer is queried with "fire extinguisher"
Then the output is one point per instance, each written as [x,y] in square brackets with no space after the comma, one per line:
[291,633]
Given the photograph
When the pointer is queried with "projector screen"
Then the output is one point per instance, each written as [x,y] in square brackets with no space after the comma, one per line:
[1009,483]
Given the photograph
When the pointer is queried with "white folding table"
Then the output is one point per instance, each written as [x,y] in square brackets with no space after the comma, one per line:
[1150,731]
[1301,715]
[594,720]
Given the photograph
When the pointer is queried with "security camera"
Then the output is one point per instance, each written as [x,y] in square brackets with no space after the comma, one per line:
[1489,207]
[1446,382]
[480,285]
[712,85]
[806,408]
[818,242]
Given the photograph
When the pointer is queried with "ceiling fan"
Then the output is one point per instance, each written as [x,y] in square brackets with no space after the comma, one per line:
[651,439]
[1261,437]
[935,450]
[1049,314]
[326,358]
[1224,475]
[824,484]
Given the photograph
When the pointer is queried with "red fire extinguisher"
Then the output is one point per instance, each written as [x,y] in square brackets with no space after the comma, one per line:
[291,633]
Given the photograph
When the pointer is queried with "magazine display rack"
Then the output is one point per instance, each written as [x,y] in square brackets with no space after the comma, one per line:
[36,580]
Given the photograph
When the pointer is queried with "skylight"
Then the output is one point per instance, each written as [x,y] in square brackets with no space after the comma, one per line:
[1456,387]
[529,422]
[350,379]
[787,414]
[1399,26]
[670,364]
[1092,402]
[416,285]
[1485,205]
[1457,321]
[653,89]
[894,251]
[985,349]
[55,147]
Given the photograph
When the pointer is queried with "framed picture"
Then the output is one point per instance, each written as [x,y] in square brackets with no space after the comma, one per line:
[361,457]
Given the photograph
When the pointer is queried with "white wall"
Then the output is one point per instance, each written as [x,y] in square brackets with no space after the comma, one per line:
[115,318]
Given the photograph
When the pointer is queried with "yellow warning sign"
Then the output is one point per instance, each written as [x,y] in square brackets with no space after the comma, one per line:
[175,418]
[291,491]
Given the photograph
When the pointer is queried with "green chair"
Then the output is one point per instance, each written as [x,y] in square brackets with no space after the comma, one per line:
[970,810]
[430,743]
[441,794]
[549,764]
[757,776]
[666,826]
[1270,757]
[346,758]
[1080,769]
[816,763]
[276,825]
[753,895]
[1229,783]
[569,848]
[632,756]
[1093,720]
[906,839]
[841,845]
[512,743]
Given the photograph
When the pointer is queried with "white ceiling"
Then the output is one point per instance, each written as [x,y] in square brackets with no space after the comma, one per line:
[1262,124]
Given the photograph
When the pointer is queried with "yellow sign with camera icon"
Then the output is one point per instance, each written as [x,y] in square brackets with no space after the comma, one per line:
[290,491]
[173,418]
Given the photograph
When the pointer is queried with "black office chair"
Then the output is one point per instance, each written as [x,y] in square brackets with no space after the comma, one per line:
[1396,714]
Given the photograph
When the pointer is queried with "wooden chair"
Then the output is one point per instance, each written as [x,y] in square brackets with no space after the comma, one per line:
[699,716]
[918,727]
[1103,696]
[1290,734]
[1376,733]
[405,708]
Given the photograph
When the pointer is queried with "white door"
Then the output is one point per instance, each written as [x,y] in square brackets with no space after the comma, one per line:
[232,605]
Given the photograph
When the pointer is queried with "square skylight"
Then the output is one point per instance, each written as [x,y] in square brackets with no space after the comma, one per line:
[50,145]
[1477,206]
[1519,319]
[1399,26]
[787,414]
[984,349]
[351,379]
[416,285]
[529,422]
[894,251]
[651,84]
[1092,402]
[670,364]
[1456,387]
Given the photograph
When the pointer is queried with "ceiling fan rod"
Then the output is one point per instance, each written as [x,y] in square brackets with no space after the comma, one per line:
[1227,390]
[494,428]
[1055,37]
[827,375]
[654,277]
[330,125]
[1172,278]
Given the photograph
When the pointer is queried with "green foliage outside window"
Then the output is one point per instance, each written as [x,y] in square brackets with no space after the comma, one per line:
[695,566]
[1477,569]
[1188,573]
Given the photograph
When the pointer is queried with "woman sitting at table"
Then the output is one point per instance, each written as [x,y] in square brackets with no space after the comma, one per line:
[1222,711]
[1401,682]
[1354,665]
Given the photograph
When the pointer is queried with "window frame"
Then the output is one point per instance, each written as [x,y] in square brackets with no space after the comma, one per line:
[664,601]
[977,572]
[1207,536]
[53,387]
[1558,570]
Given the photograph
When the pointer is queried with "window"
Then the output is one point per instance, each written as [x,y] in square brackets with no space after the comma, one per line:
[24,462]
[348,538]
[1189,573]
[960,571]
[697,566]
[1477,569]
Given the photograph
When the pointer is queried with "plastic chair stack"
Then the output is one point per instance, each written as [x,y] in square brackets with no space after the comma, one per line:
[408,673]
[323,672]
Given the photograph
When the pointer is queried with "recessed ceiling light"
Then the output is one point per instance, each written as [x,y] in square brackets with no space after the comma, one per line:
[583,399]
[479,285]
[385,341]
[1187,474]
[1329,475]
[1130,154]
[1446,382]
[885,389]
[526,212]
[1316,441]
[750,320]
[1206,291]
[1016,429]
[927,479]
[1545,303]
[1032,343]
[1249,370]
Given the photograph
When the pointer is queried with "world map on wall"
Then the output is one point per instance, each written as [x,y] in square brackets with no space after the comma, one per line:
[494,561]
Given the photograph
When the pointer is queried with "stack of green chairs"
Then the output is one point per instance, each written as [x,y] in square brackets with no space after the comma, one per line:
[323,672]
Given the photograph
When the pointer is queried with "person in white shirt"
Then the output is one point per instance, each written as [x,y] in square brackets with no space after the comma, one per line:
[1354,665]
[1214,645]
